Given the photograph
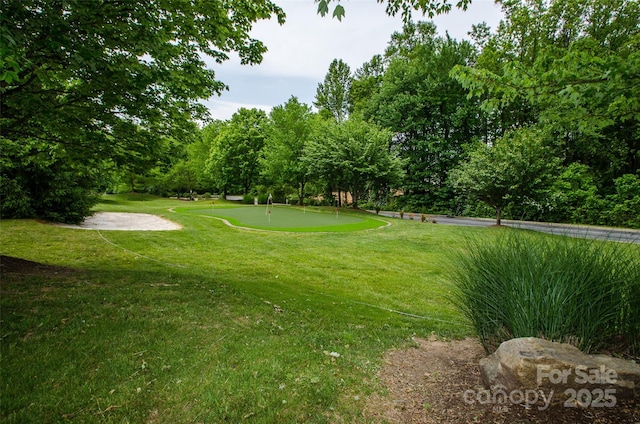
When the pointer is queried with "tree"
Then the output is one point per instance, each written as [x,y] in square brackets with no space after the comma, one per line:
[517,168]
[88,82]
[291,130]
[235,158]
[354,156]
[332,96]
[366,83]
[429,111]
[575,64]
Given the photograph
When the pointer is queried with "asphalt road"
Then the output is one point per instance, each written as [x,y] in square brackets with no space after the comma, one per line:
[582,231]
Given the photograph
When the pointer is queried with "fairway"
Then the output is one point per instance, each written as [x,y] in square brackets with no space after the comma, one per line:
[288,218]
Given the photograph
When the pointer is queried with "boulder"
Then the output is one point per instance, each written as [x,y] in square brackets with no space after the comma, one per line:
[560,371]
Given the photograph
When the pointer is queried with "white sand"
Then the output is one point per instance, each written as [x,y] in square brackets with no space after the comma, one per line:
[122,221]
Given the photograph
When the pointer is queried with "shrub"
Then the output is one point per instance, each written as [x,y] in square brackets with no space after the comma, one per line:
[625,204]
[14,201]
[262,198]
[57,194]
[579,291]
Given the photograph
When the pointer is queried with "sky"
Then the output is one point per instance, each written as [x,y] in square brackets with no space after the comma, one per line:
[301,50]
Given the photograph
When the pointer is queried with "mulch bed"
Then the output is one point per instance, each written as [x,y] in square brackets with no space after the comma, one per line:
[427,383]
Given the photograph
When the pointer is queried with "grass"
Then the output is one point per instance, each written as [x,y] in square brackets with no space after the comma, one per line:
[584,292]
[212,323]
[288,218]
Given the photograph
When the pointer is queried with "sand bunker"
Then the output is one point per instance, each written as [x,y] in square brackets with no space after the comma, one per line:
[122,221]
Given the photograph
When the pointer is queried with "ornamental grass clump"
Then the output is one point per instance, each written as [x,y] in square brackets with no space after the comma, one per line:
[578,291]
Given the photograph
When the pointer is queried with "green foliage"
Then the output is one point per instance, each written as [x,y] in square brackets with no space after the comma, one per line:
[291,129]
[84,84]
[15,201]
[573,196]
[48,187]
[559,288]
[517,168]
[624,209]
[353,156]
[428,110]
[404,7]
[366,83]
[235,157]
[570,67]
[332,95]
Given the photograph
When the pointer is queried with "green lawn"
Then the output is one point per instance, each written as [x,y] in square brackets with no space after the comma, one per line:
[288,218]
[213,323]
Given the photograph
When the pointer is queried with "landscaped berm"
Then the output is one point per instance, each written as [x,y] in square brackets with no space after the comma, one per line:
[288,218]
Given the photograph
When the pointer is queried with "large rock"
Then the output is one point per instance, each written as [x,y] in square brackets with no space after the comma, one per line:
[560,371]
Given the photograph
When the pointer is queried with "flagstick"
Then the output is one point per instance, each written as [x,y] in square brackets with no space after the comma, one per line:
[269,201]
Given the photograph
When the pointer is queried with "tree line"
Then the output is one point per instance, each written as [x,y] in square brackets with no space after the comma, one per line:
[536,119]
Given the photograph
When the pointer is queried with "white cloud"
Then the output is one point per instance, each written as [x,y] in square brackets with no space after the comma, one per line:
[223,110]
[301,50]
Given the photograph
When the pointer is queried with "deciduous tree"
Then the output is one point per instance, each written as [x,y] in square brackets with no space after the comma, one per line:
[429,111]
[517,168]
[332,95]
[235,157]
[291,129]
[84,82]
[354,156]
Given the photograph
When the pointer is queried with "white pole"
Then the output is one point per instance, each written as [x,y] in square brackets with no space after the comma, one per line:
[269,201]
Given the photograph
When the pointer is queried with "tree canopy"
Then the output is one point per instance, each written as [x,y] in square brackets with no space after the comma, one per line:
[428,110]
[88,84]
[393,7]
[517,168]
[237,152]
[354,156]
[332,95]
[291,132]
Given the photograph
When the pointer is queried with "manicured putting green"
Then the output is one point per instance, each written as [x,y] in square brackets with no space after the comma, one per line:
[288,218]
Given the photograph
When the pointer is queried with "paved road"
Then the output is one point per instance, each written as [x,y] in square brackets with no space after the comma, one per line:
[582,231]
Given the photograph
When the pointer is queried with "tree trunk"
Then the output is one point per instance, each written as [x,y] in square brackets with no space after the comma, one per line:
[498,216]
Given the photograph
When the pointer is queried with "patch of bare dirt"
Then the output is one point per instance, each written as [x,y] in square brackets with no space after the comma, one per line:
[427,385]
